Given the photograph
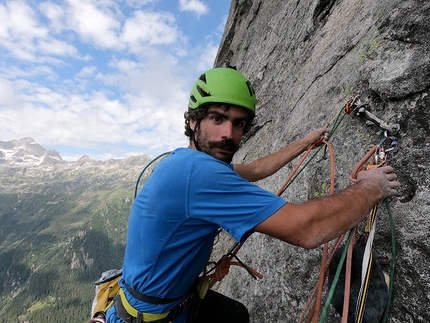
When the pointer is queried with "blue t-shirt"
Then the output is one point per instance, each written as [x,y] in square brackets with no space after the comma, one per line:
[176,217]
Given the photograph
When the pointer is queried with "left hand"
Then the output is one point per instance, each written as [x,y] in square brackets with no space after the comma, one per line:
[314,136]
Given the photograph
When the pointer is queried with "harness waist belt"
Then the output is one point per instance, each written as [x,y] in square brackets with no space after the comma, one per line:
[129,314]
[147,298]
[146,317]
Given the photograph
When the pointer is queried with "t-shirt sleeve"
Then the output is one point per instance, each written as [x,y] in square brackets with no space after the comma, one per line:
[219,195]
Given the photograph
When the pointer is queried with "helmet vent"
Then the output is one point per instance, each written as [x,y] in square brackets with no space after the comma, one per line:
[193,98]
[203,78]
[250,88]
[202,92]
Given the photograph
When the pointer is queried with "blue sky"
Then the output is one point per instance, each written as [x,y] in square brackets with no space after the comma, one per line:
[105,78]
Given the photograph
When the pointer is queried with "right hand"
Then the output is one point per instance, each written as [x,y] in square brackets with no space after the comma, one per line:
[382,178]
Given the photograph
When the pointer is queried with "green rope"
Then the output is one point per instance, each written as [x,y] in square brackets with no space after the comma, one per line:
[342,260]
[393,262]
[146,167]
[336,278]
[300,170]
[338,120]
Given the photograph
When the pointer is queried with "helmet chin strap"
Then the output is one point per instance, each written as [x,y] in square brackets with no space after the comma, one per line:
[193,136]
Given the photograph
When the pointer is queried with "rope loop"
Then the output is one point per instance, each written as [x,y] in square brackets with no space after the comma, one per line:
[222,268]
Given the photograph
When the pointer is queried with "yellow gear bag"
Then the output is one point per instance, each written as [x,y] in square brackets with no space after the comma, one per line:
[106,288]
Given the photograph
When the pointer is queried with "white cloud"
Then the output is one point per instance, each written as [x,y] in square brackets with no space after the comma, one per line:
[55,14]
[93,24]
[19,29]
[19,21]
[92,120]
[139,3]
[23,35]
[195,6]
[87,71]
[206,60]
[93,74]
[150,28]
[56,47]
[7,94]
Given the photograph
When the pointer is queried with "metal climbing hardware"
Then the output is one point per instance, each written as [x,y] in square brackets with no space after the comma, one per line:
[389,143]
[361,109]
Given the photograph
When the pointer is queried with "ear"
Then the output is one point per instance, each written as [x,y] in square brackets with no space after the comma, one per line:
[193,123]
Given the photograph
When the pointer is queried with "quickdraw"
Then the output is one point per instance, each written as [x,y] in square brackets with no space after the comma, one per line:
[357,107]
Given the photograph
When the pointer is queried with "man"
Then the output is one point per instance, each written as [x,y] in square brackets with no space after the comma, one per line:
[196,190]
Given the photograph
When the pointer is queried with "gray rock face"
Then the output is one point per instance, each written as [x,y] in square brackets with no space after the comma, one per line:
[305,60]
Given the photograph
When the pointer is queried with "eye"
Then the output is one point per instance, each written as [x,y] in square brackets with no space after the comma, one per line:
[240,124]
[216,118]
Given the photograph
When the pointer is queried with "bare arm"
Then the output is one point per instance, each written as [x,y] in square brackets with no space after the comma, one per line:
[266,166]
[317,221]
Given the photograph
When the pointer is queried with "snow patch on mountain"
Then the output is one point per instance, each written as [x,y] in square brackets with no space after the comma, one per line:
[26,152]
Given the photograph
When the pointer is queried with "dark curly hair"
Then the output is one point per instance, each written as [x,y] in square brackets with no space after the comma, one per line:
[201,112]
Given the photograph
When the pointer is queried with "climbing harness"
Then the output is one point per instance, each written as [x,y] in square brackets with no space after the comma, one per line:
[221,268]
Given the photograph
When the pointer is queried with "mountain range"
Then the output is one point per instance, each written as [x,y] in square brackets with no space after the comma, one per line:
[26,152]
[61,225]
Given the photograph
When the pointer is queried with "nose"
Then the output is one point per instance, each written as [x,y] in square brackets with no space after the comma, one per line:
[227,130]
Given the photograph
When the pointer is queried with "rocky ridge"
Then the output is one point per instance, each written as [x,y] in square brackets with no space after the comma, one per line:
[26,152]
[24,161]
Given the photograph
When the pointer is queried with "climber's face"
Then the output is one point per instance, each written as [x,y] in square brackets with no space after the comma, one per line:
[220,131]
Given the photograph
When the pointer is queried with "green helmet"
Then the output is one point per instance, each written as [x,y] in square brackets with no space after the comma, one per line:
[223,85]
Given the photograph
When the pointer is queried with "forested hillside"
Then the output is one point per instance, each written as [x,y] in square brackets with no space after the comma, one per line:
[61,225]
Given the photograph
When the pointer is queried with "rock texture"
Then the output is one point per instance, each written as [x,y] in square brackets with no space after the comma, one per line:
[305,59]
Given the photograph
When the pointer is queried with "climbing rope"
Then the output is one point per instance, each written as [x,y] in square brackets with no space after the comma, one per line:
[379,154]
[136,188]
[222,267]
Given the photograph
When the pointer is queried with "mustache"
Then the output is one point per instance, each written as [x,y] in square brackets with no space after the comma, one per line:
[224,144]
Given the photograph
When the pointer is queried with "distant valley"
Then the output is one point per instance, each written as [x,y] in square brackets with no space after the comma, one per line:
[61,224]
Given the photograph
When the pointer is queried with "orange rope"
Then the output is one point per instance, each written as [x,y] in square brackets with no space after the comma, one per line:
[325,251]
[313,295]
[297,167]
[326,258]
[314,313]
[360,165]
[347,289]
[223,268]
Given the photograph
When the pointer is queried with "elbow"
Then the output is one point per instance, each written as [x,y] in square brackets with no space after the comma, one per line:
[308,240]
[309,244]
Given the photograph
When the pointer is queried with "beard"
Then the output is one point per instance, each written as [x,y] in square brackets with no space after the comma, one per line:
[207,146]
